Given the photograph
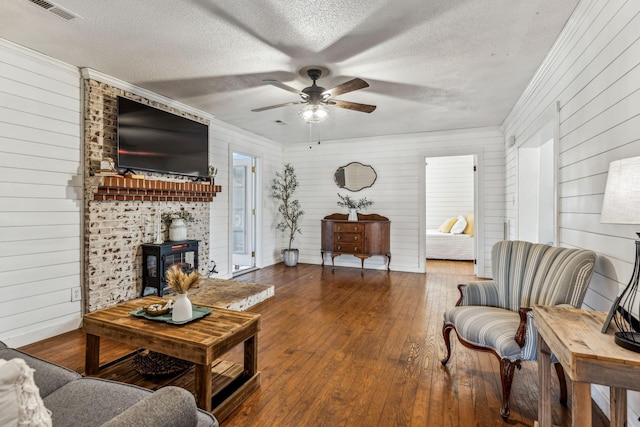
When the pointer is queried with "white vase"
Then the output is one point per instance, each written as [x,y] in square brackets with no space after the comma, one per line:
[182,309]
[178,230]
[353,214]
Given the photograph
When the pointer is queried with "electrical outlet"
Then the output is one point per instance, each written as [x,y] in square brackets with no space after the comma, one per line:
[76,294]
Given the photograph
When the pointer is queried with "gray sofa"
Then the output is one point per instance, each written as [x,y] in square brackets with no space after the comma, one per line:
[82,401]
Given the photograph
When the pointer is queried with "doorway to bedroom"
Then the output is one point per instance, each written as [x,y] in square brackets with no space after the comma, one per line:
[450,202]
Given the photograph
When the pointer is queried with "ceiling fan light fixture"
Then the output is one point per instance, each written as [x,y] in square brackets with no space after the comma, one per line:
[314,113]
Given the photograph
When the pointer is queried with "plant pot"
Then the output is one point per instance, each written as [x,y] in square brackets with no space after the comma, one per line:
[353,214]
[178,230]
[182,309]
[290,257]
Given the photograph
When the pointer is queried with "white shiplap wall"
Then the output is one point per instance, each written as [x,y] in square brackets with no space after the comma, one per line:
[449,191]
[399,191]
[593,73]
[40,195]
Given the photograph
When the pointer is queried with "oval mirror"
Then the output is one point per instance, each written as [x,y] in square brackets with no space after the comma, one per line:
[355,176]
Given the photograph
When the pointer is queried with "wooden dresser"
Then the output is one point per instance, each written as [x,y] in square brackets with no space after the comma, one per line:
[368,236]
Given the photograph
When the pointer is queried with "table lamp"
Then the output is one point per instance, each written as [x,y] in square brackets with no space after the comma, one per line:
[621,205]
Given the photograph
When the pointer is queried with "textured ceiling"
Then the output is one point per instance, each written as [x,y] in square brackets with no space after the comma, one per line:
[431,64]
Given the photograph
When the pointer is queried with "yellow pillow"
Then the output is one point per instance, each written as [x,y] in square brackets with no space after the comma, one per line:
[445,227]
[469,228]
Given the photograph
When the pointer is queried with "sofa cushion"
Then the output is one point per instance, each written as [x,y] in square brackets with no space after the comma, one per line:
[48,376]
[176,404]
[490,327]
[91,401]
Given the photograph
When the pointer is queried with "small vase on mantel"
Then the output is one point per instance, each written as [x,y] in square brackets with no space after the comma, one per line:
[353,214]
[182,309]
[178,230]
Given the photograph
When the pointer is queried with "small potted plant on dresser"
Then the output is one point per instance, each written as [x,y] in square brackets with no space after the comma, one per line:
[282,188]
[353,205]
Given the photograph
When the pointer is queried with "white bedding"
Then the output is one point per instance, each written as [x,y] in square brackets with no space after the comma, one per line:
[449,246]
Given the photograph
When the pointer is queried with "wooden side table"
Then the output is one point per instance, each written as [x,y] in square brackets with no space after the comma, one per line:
[587,356]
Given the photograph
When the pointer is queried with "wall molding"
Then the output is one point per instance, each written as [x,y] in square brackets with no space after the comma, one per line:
[37,56]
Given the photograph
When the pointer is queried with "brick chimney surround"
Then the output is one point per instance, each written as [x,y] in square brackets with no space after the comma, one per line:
[120,214]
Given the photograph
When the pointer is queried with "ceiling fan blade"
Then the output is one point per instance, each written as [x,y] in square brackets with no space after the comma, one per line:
[279,105]
[345,87]
[364,108]
[281,85]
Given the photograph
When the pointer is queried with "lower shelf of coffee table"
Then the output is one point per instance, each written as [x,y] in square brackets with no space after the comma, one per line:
[229,384]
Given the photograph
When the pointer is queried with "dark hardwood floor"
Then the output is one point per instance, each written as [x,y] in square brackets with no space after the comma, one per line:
[345,348]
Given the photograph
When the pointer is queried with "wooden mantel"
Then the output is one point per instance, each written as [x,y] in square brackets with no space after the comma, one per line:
[117,188]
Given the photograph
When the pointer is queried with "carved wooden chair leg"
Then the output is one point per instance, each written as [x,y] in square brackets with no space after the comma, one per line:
[563,383]
[506,375]
[446,333]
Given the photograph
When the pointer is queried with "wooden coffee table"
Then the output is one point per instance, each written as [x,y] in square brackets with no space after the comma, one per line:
[202,342]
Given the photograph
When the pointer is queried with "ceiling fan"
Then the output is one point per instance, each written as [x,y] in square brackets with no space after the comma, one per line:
[317,97]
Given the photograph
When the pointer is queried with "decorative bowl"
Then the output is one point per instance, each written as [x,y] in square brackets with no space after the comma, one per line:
[158,309]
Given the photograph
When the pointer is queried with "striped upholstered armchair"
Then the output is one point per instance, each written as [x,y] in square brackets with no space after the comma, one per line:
[495,316]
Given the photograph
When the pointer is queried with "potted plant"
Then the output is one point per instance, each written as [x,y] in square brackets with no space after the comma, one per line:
[282,188]
[353,205]
[177,222]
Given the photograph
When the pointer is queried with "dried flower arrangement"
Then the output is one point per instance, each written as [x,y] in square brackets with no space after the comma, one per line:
[180,282]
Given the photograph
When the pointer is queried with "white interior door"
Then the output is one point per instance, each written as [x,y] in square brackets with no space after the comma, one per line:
[243,212]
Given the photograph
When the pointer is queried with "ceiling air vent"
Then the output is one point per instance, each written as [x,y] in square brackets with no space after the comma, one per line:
[55,9]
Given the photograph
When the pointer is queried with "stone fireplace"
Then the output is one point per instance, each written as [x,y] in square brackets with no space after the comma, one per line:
[122,214]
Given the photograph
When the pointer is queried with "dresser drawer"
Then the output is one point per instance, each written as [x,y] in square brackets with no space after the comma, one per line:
[347,248]
[347,238]
[345,227]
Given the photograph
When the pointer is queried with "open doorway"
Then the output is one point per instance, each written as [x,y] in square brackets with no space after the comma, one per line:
[450,196]
[536,187]
[243,215]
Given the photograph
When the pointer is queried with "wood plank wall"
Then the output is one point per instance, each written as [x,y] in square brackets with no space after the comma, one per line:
[40,195]
[593,73]
[399,191]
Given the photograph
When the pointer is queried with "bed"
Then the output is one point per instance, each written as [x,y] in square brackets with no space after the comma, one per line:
[450,246]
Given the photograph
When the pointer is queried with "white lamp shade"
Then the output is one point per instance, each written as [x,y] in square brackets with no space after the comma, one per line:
[621,204]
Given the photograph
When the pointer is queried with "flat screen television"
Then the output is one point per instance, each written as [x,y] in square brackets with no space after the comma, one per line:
[154,140]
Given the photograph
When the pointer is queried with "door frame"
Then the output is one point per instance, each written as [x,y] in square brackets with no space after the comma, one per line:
[257,228]
[478,201]
[550,117]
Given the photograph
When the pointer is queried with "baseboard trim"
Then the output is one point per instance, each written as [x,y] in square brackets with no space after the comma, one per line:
[31,336]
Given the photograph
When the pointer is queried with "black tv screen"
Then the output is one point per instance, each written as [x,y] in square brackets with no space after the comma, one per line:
[154,140]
